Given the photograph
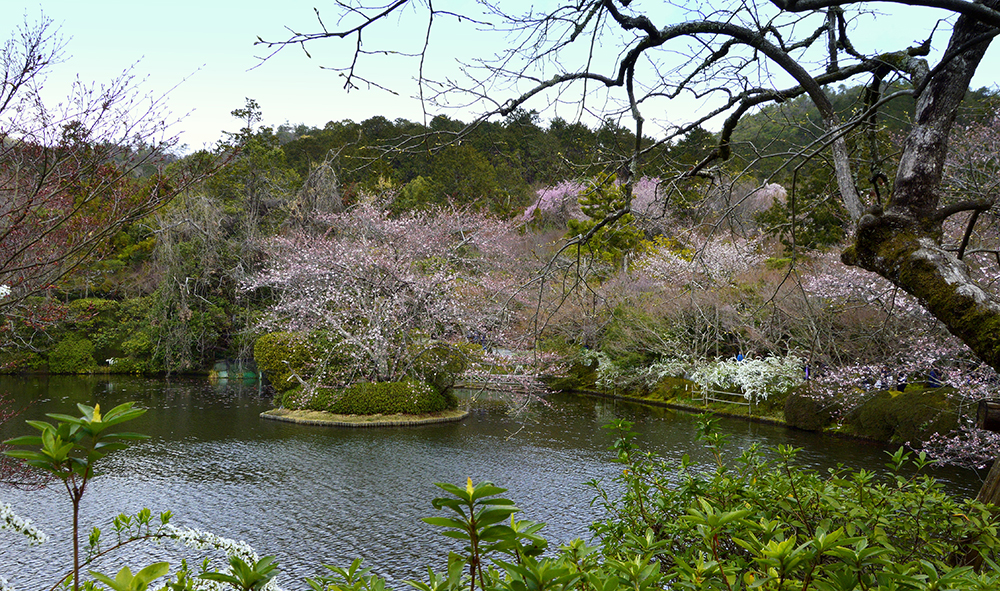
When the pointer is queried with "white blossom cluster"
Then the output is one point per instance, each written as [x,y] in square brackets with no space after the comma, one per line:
[722,260]
[5,585]
[664,368]
[4,291]
[713,261]
[13,521]
[756,378]
[203,540]
[840,284]
[610,375]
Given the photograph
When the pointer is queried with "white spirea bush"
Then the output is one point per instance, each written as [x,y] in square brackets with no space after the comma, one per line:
[610,375]
[662,369]
[13,521]
[756,378]
[204,540]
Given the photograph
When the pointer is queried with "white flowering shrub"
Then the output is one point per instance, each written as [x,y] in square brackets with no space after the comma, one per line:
[131,528]
[4,291]
[755,378]
[12,521]
[611,375]
[707,261]
[662,369]
[94,442]
[608,373]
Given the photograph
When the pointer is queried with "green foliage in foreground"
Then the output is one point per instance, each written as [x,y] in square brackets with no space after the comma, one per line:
[759,524]
[68,450]
[747,524]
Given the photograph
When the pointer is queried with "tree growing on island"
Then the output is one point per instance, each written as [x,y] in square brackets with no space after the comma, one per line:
[377,295]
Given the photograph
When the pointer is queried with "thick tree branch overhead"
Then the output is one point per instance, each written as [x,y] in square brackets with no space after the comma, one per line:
[671,68]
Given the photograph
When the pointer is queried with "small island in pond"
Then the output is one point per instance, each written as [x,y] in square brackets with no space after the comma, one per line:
[327,419]
[311,388]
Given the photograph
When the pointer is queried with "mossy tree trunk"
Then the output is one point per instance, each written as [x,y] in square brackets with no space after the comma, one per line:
[903,242]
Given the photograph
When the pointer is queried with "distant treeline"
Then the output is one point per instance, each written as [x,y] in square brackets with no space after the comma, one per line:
[497,165]
[493,165]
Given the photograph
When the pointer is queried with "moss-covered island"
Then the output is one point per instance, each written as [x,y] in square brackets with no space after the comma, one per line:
[327,419]
[311,389]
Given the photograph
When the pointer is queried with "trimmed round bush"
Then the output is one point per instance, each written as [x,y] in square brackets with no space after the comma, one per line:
[909,416]
[802,411]
[280,355]
[440,363]
[366,398]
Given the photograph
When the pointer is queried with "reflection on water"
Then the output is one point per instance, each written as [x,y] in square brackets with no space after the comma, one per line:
[315,495]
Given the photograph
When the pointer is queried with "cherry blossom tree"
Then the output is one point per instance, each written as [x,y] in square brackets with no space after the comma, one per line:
[378,289]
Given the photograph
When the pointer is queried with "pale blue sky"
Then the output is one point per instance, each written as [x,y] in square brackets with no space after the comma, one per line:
[206,47]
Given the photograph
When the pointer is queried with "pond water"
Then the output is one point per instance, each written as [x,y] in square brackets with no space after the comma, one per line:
[313,495]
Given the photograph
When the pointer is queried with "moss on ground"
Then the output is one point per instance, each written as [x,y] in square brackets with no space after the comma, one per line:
[888,416]
[909,416]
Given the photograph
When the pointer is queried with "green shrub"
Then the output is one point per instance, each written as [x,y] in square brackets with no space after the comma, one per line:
[366,398]
[117,330]
[776,263]
[409,397]
[912,415]
[97,320]
[772,524]
[291,398]
[671,388]
[73,354]
[139,345]
[440,363]
[22,361]
[282,355]
[125,365]
[807,413]
[581,375]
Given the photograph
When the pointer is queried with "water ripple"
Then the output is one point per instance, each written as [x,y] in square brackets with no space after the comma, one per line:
[313,496]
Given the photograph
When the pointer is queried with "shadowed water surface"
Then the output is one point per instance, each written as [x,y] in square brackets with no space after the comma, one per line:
[314,495]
